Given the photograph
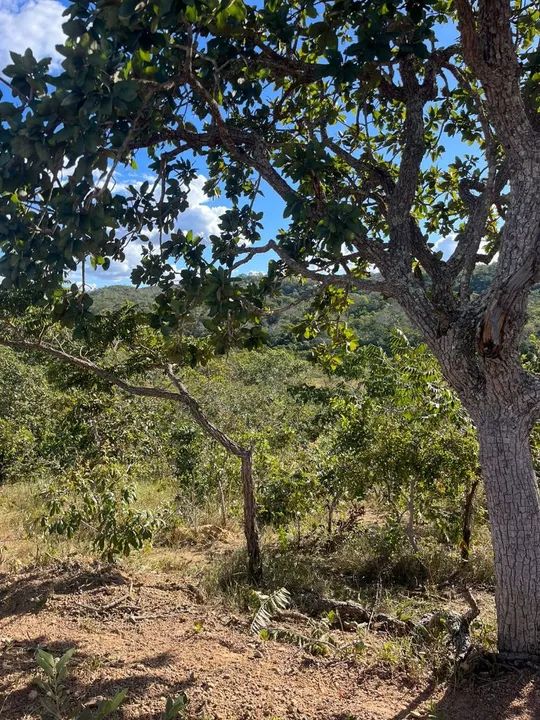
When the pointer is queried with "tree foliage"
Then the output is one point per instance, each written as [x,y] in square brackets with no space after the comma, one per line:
[305,96]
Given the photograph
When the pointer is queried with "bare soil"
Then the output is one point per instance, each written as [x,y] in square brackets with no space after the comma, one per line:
[158,636]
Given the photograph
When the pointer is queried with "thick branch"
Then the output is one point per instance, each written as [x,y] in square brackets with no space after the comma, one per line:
[489,51]
[376,172]
[414,146]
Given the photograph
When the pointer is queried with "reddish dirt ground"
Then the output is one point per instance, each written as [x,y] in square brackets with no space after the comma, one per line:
[156,637]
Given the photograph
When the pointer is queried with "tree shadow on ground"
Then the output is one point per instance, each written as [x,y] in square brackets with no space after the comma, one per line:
[503,693]
[511,693]
[85,683]
[28,593]
[422,697]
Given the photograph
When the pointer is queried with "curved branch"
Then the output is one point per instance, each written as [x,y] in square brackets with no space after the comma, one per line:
[182,396]
[347,280]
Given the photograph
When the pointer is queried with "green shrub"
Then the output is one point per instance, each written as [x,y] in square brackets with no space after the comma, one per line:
[96,500]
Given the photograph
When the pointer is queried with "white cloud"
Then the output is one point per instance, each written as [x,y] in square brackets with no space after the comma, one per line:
[35,24]
[446,245]
[200,217]
[117,274]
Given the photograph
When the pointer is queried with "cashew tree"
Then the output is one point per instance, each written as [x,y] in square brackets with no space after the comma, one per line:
[376,129]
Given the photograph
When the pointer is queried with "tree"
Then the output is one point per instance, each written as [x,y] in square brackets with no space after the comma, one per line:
[421,452]
[147,351]
[350,113]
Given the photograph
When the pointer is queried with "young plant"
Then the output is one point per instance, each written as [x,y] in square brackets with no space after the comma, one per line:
[269,605]
[56,701]
[98,499]
[175,708]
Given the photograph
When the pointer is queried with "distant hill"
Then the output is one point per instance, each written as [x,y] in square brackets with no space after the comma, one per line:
[113,297]
[371,315]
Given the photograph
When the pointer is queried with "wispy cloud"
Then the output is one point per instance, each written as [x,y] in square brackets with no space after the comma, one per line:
[35,24]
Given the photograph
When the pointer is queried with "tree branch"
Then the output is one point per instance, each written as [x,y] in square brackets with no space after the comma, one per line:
[200,418]
[486,39]
[414,146]
[347,280]
[182,396]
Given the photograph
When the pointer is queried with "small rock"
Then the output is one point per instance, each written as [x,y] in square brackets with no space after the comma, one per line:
[32,695]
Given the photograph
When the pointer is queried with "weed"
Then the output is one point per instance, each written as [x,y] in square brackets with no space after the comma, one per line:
[269,605]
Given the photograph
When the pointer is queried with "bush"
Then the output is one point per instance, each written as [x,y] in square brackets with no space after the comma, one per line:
[96,500]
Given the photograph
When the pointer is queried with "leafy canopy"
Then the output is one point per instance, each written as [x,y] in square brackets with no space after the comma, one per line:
[350,111]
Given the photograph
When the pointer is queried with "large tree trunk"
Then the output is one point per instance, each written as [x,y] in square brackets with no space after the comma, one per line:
[513,500]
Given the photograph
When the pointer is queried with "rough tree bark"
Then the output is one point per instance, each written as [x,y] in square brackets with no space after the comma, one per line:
[251,529]
[513,500]
[502,400]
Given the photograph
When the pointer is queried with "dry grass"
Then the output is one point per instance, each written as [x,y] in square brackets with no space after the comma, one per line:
[391,580]
[17,547]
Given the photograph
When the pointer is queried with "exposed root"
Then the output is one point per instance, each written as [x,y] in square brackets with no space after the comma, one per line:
[352,612]
[457,626]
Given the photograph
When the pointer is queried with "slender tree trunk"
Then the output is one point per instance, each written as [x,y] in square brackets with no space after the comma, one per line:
[251,529]
[222,502]
[331,509]
[468,511]
[411,535]
[513,500]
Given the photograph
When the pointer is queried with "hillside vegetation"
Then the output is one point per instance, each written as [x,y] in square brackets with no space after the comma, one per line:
[371,316]
[366,480]
[306,493]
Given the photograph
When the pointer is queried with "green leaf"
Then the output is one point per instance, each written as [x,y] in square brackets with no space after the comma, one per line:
[74,28]
[126,90]
[46,662]
[62,663]
[108,707]
[7,110]
[175,708]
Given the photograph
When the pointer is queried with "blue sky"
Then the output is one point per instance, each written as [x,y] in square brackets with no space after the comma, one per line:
[37,24]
